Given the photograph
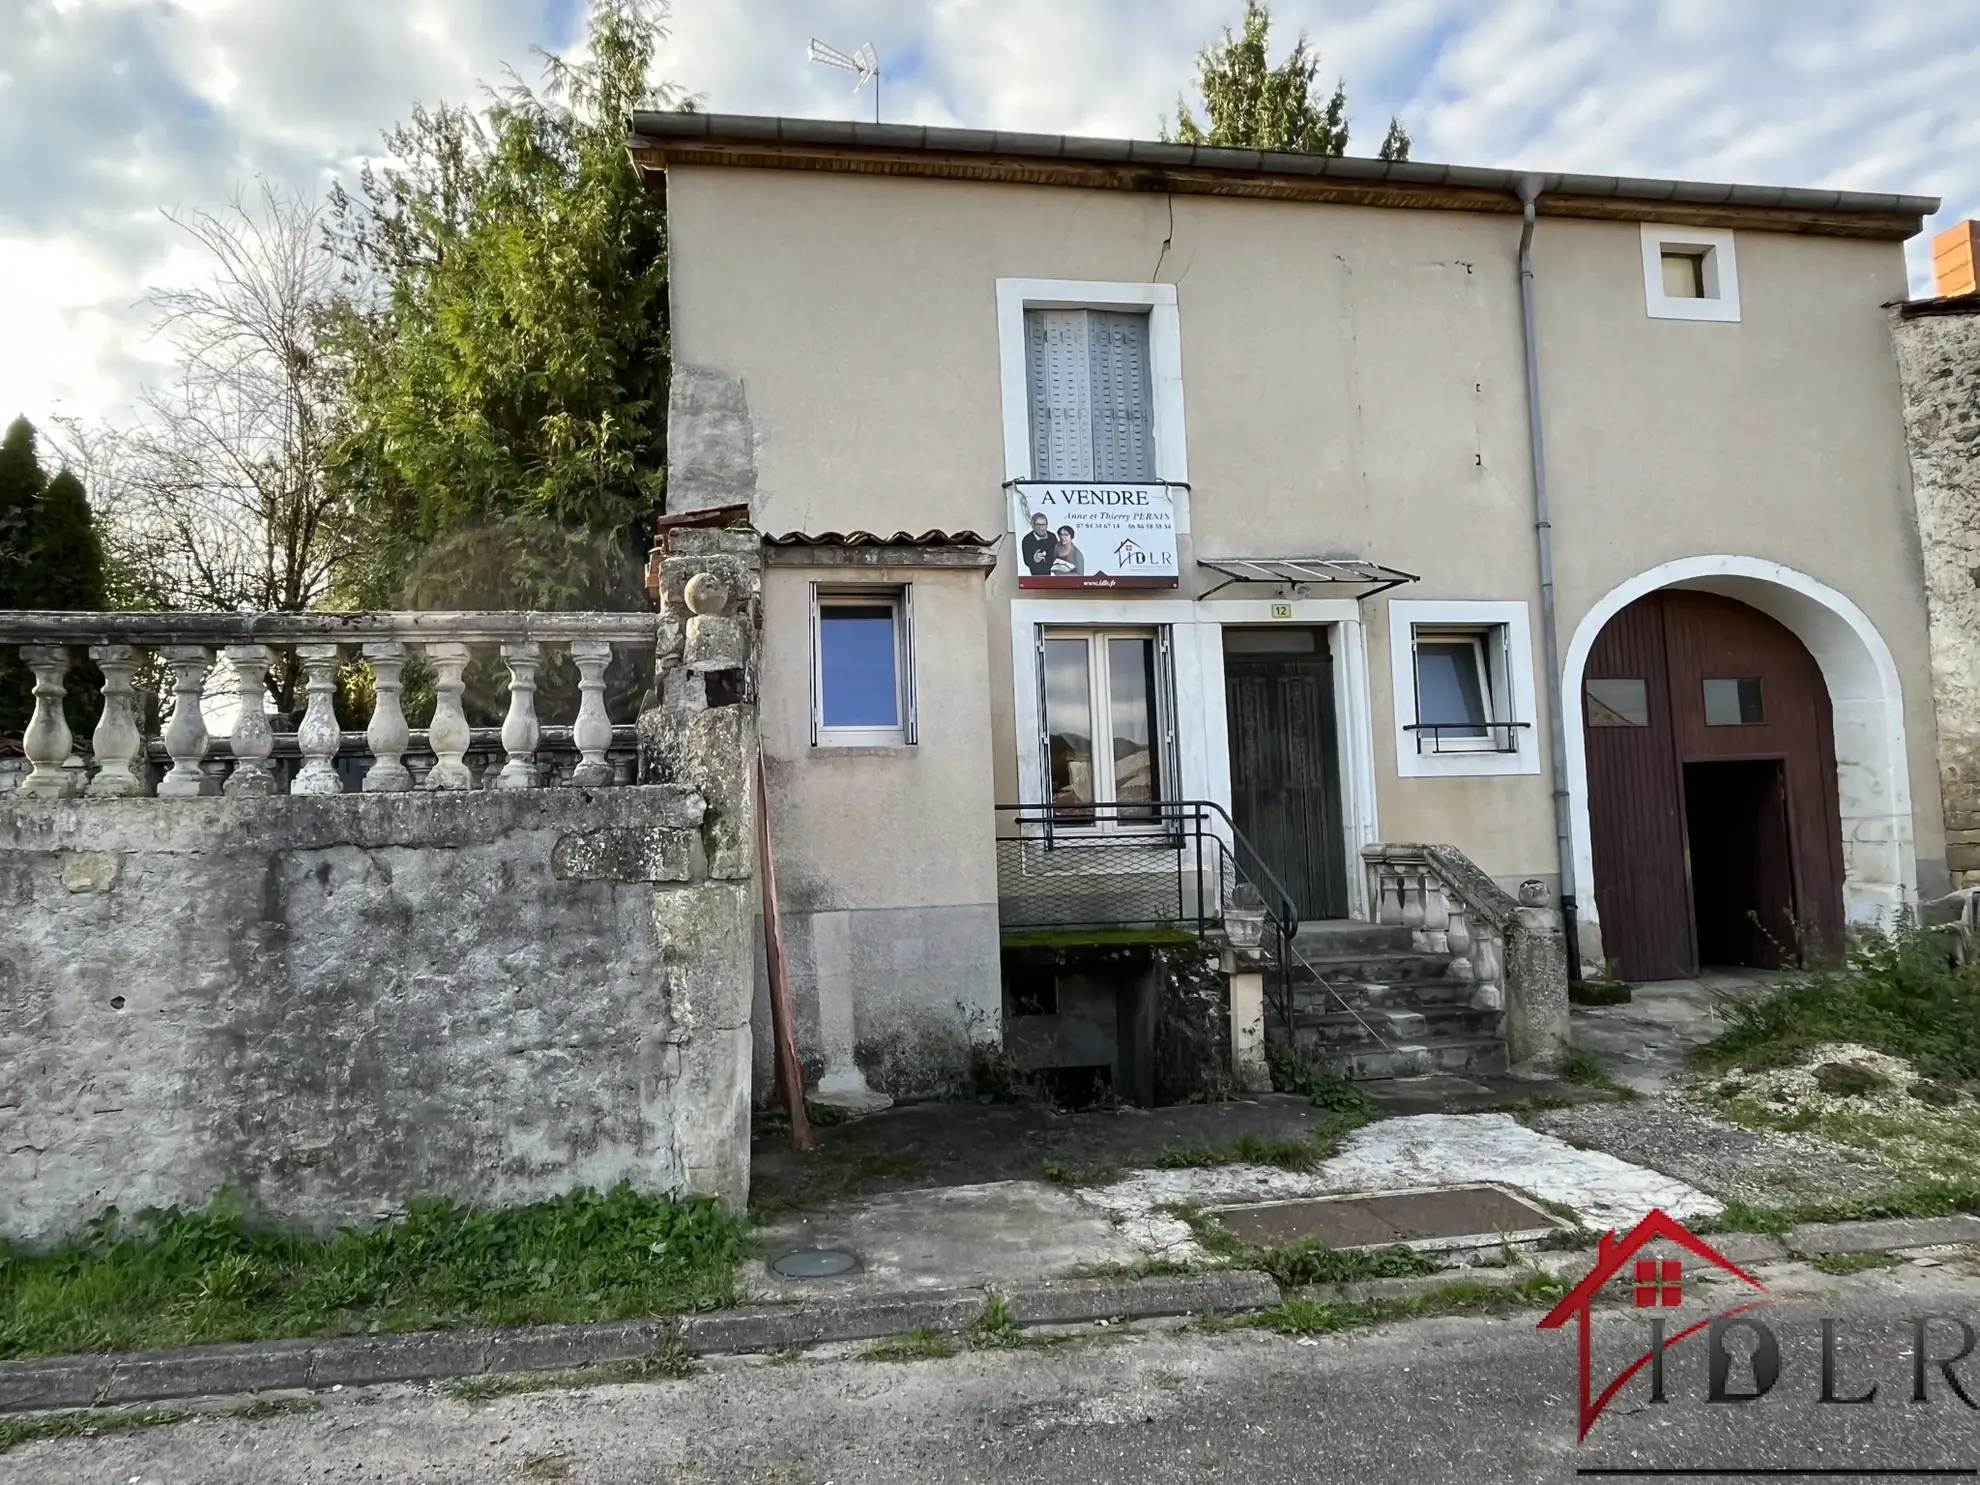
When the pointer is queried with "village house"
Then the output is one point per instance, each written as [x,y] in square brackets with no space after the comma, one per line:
[1458,562]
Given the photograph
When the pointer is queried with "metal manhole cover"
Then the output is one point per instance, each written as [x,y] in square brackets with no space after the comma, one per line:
[814,1263]
[1439,1217]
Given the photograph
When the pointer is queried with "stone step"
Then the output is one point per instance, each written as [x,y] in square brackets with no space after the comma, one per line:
[1338,1028]
[1344,936]
[1385,995]
[1473,1056]
[1384,967]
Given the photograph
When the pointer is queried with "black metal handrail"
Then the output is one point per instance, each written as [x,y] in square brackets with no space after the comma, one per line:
[1101,840]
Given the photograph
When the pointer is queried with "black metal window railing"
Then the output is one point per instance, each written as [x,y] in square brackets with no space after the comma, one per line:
[1467,737]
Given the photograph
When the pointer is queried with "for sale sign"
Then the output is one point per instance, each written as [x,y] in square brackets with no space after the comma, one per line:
[1076,535]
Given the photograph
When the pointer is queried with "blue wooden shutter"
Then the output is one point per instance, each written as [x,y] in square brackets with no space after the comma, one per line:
[1123,415]
[1061,394]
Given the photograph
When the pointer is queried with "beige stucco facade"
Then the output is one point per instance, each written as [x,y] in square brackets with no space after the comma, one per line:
[1352,381]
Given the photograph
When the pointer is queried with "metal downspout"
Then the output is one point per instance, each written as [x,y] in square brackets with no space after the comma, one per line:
[1528,191]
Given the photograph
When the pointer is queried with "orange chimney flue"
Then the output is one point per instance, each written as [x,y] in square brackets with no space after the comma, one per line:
[1955,253]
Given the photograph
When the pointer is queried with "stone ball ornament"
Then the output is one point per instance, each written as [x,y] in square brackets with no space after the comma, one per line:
[707,594]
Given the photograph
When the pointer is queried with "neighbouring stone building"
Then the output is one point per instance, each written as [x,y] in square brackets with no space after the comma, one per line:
[1938,356]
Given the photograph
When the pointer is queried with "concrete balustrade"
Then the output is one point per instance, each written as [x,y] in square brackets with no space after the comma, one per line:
[174,656]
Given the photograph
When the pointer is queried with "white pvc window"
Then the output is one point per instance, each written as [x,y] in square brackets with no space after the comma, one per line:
[862,675]
[1108,736]
[1464,688]
[1689,273]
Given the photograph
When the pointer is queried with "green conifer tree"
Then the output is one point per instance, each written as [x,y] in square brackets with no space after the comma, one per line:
[21,484]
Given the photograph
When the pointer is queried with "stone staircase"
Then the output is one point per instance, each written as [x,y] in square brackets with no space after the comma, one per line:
[1386,1009]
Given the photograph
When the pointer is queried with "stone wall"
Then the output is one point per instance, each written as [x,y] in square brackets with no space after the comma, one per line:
[333,1004]
[1938,356]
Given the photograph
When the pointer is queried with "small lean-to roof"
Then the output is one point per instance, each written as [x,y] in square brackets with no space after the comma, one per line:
[661,139]
[1949,304]
[869,549]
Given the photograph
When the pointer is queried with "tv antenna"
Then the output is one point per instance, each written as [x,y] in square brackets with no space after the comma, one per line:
[864,64]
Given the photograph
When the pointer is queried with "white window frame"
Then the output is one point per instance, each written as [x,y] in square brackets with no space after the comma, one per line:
[900,597]
[1016,295]
[1506,632]
[1163,741]
[1721,273]
[1196,635]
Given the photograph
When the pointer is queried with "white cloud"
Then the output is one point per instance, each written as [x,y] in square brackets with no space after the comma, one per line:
[111,110]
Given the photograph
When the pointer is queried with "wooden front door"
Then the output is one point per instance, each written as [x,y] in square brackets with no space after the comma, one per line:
[1285,761]
[1711,788]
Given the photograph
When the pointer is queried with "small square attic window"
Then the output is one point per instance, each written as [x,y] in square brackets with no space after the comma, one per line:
[1689,273]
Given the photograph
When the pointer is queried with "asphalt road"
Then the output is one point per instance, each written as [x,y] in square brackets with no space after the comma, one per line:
[1469,1400]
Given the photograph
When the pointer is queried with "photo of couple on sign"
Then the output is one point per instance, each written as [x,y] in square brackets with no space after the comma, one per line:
[1049,553]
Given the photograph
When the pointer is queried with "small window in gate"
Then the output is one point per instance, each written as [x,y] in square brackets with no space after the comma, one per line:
[1733,701]
[1618,702]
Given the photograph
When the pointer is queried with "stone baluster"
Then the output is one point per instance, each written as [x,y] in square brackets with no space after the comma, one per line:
[448,733]
[520,729]
[1488,971]
[1458,939]
[117,741]
[253,740]
[185,735]
[319,736]
[388,734]
[47,740]
[1412,883]
[591,734]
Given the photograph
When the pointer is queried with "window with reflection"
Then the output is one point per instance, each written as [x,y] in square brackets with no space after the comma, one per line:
[1103,723]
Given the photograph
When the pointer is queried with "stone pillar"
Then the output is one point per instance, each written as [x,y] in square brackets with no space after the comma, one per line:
[448,734]
[117,743]
[842,1085]
[47,740]
[592,732]
[520,730]
[253,739]
[319,736]
[185,734]
[1248,1064]
[388,734]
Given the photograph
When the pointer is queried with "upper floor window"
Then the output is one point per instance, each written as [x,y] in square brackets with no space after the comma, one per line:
[1689,273]
[1091,399]
[862,681]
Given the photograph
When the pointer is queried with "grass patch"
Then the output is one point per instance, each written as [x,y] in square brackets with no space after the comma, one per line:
[669,1363]
[994,1328]
[1930,1199]
[169,1278]
[1303,1260]
[923,1343]
[1154,1266]
[1898,992]
[1296,1070]
[1851,1263]
[90,1422]
[1061,1174]
[1298,1316]
[1251,1149]
[1585,1068]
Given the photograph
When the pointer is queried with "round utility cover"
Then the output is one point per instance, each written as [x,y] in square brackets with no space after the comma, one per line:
[814,1263]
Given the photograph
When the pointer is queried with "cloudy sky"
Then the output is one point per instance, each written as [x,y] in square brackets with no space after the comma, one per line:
[112,111]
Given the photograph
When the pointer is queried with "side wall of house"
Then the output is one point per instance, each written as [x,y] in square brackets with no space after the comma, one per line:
[886,866]
[332,1005]
[1939,362]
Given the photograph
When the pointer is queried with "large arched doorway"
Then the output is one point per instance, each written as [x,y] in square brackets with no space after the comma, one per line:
[1714,826]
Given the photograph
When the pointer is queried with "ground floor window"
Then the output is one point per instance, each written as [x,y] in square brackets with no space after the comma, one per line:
[1105,709]
[862,690]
